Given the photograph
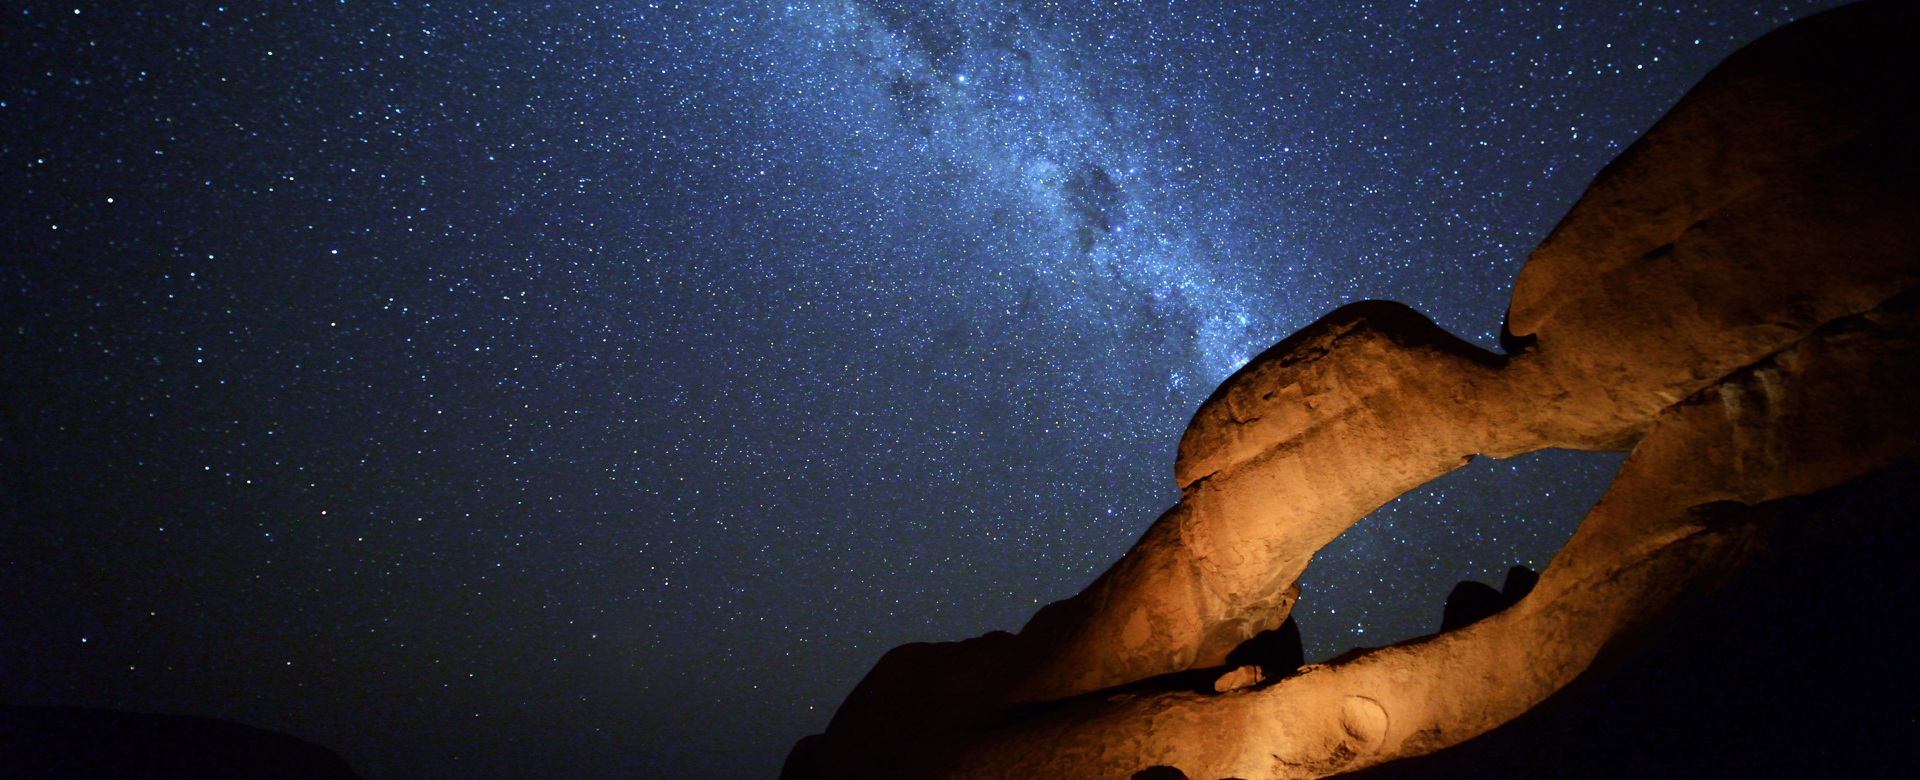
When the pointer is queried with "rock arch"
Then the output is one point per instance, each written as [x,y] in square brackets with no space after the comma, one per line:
[1734,300]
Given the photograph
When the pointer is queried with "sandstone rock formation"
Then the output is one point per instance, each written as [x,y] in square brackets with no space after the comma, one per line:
[1733,299]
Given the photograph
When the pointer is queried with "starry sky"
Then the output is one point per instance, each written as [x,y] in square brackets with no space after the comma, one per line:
[596,390]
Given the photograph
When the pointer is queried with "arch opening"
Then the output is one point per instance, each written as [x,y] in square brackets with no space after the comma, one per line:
[1387,578]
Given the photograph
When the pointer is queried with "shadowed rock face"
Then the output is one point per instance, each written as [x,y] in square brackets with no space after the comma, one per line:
[1732,299]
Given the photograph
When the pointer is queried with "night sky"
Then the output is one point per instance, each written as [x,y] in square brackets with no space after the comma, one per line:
[597,390]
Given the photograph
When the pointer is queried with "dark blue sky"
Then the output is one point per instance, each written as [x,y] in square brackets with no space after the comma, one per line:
[596,390]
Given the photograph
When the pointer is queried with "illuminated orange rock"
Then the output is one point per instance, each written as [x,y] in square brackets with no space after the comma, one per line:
[1811,417]
[1731,300]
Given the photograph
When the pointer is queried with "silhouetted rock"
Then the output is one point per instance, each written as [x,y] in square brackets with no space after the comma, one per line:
[1471,602]
[62,743]
[1468,603]
[1278,652]
[1519,583]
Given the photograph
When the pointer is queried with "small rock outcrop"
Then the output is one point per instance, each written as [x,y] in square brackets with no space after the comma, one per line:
[1520,582]
[1240,677]
[1277,652]
[1470,601]
[1735,300]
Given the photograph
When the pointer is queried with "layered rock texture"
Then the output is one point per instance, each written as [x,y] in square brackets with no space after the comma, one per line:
[1733,300]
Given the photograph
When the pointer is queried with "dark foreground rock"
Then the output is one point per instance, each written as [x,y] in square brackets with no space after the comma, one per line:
[1471,602]
[64,743]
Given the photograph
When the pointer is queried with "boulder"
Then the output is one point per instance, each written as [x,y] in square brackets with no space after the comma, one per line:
[1470,602]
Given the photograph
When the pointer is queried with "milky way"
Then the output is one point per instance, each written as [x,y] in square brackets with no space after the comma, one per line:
[598,390]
